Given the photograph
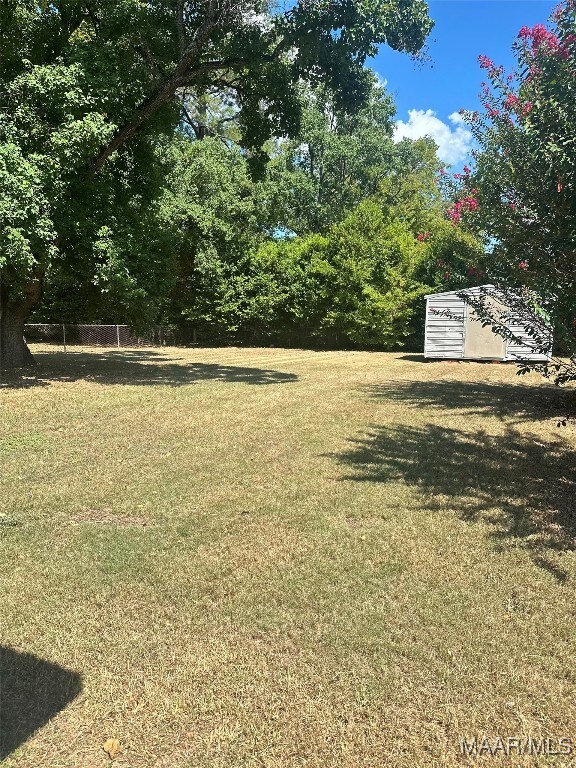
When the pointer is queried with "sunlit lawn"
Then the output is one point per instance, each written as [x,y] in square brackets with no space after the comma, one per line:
[267,557]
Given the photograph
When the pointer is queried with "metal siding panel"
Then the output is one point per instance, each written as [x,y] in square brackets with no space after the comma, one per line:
[518,351]
[444,336]
[445,355]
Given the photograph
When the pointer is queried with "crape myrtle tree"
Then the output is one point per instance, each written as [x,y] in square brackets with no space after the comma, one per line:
[88,86]
[522,193]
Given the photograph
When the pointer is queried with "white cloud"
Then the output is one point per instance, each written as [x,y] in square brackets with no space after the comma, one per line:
[381,82]
[454,144]
[456,118]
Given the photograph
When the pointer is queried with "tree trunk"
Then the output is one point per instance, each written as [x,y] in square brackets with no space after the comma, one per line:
[14,311]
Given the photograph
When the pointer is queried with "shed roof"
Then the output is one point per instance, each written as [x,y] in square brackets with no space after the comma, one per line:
[472,291]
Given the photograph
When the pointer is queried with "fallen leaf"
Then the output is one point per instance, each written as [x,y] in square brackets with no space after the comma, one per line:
[111,747]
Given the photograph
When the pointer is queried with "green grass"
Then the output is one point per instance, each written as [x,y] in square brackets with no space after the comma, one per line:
[282,558]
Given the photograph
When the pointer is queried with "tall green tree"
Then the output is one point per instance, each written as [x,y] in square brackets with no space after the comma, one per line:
[360,283]
[87,87]
[211,206]
[338,159]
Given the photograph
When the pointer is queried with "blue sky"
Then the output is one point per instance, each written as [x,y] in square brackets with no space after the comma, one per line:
[450,79]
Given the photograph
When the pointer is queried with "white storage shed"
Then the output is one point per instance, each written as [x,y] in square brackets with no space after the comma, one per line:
[453,331]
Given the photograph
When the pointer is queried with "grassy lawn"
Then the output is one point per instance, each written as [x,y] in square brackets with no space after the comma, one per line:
[269,557]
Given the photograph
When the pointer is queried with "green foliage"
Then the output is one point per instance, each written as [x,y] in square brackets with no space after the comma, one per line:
[90,91]
[359,283]
[211,205]
[376,257]
[24,212]
[340,159]
[337,160]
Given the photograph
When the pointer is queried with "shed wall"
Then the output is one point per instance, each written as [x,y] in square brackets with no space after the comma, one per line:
[444,336]
[518,351]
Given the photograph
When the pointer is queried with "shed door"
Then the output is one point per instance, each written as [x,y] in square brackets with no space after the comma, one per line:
[481,342]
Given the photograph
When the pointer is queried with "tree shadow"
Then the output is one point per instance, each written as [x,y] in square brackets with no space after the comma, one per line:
[418,357]
[520,401]
[133,367]
[523,487]
[32,692]
[415,357]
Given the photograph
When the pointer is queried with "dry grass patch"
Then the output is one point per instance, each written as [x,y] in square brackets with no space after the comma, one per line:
[105,517]
[283,558]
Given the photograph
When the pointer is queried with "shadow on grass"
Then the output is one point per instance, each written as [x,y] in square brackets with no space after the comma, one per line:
[418,357]
[414,357]
[134,367]
[524,487]
[517,401]
[32,692]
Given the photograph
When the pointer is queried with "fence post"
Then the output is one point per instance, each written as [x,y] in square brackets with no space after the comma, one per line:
[118,335]
[64,336]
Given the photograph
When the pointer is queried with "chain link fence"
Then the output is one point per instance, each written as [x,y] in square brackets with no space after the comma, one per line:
[65,335]
[60,336]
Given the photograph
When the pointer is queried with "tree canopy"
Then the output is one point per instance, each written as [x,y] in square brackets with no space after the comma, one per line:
[356,282]
[87,88]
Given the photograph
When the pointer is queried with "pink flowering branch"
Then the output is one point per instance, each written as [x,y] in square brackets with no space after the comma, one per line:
[469,203]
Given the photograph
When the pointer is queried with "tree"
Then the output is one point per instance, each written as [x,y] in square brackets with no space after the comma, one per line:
[359,284]
[212,206]
[87,88]
[119,260]
[338,159]
[522,194]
